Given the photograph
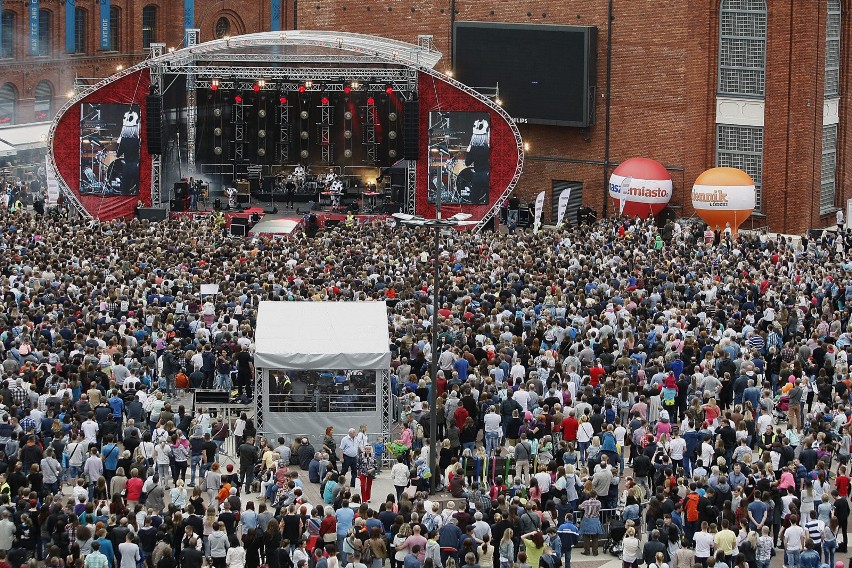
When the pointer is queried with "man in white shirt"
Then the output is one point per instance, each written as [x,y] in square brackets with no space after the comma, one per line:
[522,397]
[492,430]
[517,371]
[90,430]
[794,541]
[349,450]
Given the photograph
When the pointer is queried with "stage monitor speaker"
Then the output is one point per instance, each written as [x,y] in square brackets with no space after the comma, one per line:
[332,222]
[411,146]
[154,124]
[153,213]
[238,230]
[204,396]
[176,205]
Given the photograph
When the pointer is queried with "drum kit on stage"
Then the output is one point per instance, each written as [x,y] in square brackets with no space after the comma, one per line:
[450,174]
[103,174]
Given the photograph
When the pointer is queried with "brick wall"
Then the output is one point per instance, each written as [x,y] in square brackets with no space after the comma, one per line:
[663,89]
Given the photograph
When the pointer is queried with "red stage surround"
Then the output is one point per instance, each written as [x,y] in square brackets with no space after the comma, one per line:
[131,89]
[436,94]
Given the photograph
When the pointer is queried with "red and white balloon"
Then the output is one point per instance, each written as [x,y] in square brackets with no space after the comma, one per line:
[640,187]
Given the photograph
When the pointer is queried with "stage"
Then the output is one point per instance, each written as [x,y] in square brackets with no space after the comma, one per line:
[350,118]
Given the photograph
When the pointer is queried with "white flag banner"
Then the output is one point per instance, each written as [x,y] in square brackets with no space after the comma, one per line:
[563,205]
[52,184]
[209,289]
[539,205]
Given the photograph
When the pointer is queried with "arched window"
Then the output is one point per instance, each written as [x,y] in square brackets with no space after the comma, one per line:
[43,101]
[223,27]
[149,26]
[114,28]
[831,89]
[45,28]
[742,48]
[8,103]
[81,23]
[7,46]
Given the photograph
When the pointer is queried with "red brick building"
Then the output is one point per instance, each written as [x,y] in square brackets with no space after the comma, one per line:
[757,84]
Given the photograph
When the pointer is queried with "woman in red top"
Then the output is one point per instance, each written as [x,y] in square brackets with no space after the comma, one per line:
[842,482]
[134,489]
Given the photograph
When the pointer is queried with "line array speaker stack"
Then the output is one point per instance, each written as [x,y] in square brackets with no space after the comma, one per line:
[154,124]
[411,130]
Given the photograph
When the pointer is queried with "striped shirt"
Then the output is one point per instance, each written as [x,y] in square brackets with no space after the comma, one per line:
[591,508]
[815,528]
[96,560]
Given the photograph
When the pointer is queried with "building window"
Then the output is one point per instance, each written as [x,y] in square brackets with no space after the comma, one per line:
[80,27]
[223,27]
[7,46]
[44,29]
[827,183]
[832,49]
[742,48]
[43,101]
[114,28]
[149,26]
[8,102]
[742,147]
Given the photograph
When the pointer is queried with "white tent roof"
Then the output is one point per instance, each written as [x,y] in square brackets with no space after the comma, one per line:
[322,335]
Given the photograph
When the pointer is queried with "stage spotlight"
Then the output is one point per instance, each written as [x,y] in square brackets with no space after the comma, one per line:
[392,134]
[309,84]
[217,131]
[217,150]
[255,88]
[356,85]
[526,146]
[283,100]
[262,83]
[238,99]
[303,153]
[347,115]
[302,88]
[324,101]
[217,112]
[389,88]
[303,115]
[392,116]
[371,101]
[499,101]
[304,134]
[449,72]
[214,85]
[261,152]
[392,153]
[347,134]
[261,133]
[261,113]
[347,153]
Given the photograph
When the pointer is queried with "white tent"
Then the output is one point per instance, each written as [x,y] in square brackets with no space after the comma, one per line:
[293,338]
[322,335]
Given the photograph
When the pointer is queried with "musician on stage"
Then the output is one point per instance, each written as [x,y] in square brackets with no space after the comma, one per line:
[289,190]
[231,192]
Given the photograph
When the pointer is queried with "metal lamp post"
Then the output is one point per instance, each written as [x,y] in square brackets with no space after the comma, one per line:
[457,220]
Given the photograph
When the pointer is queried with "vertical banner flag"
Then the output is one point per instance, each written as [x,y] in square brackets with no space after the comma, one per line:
[189,14]
[104,25]
[276,15]
[1,27]
[52,184]
[539,205]
[70,25]
[563,205]
[34,47]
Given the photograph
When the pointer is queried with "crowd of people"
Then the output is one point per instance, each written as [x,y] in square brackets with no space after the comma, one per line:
[686,391]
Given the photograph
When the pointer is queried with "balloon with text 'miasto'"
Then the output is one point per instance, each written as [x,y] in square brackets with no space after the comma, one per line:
[723,196]
[640,187]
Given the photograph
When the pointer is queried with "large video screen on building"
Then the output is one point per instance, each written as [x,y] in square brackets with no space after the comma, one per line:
[545,73]
[110,144]
[460,157]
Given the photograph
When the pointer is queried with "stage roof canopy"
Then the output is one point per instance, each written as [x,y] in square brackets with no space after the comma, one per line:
[322,335]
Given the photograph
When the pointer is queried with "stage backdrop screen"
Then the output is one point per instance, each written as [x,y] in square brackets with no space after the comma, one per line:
[460,157]
[545,73]
[109,149]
